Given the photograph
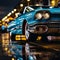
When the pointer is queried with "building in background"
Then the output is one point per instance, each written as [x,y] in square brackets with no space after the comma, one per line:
[59,3]
[54,2]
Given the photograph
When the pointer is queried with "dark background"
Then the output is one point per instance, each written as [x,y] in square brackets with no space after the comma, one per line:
[6,6]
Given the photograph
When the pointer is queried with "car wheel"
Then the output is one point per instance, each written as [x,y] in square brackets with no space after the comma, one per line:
[25,30]
[29,36]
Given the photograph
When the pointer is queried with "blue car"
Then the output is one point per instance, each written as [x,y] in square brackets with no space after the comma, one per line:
[36,20]
[16,51]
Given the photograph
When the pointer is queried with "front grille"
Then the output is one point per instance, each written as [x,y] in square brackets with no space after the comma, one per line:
[41,29]
[53,25]
[53,30]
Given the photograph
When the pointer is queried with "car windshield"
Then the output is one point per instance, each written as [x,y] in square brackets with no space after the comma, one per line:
[28,9]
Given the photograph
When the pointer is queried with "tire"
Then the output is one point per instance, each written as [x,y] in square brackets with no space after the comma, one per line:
[13,37]
[25,30]
[29,36]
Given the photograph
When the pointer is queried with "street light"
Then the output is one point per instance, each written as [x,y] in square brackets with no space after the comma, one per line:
[5,48]
[21,5]
[53,3]
[28,2]
[14,10]
[4,18]
[37,4]
[13,59]
[9,14]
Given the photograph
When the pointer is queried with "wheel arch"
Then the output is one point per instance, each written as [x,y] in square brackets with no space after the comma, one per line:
[23,26]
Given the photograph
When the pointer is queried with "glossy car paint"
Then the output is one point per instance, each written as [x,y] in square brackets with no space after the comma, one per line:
[15,26]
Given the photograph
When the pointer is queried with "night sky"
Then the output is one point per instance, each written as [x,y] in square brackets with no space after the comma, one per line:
[6,6]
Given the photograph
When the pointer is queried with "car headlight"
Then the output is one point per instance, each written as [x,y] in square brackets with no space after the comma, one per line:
[46,15]
[38,16]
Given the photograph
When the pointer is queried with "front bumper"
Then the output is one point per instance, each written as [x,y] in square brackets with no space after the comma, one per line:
[47,28]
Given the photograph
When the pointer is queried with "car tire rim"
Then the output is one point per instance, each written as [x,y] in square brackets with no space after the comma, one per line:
[26,31]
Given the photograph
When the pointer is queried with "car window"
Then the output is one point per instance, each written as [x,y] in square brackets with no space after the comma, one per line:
[28,9]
